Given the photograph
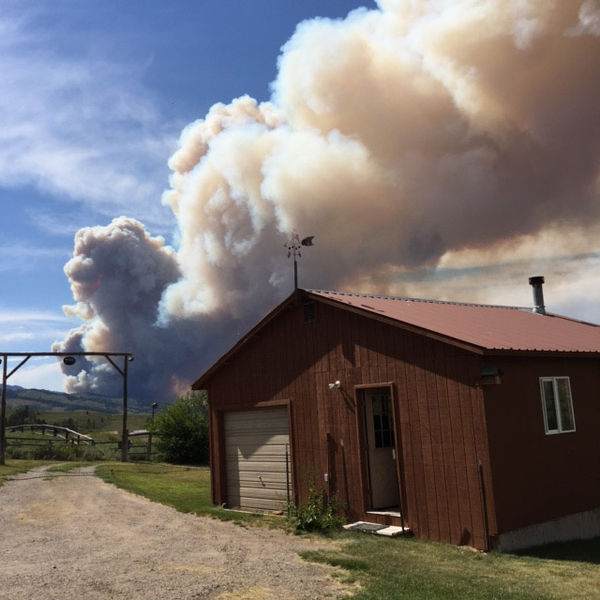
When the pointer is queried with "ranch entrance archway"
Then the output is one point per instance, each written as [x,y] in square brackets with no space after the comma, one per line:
[68,358]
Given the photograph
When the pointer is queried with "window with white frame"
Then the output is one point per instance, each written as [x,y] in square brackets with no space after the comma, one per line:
[557,404]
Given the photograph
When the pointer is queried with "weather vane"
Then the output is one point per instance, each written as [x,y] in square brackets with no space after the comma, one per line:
[294,245]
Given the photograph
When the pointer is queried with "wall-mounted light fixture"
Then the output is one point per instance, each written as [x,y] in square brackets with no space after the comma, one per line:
[336,385]
[490,376]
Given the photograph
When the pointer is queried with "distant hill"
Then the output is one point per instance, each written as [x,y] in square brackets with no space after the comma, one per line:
[46,400]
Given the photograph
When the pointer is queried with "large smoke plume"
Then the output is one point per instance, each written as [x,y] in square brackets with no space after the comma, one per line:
[403,138]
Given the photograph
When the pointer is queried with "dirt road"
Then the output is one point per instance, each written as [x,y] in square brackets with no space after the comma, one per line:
[74,537]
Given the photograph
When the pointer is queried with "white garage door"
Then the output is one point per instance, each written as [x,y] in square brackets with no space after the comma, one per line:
[257,459]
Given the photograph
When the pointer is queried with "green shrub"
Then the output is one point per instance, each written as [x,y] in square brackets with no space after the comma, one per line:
[319,514]
[182,431]
[17,453]
[22,416]
[66,452]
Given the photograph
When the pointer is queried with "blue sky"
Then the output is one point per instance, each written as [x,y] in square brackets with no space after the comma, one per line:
[436,149]
[94,96]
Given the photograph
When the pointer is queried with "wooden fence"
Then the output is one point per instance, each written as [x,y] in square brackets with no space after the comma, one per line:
[68,435]
[140,442]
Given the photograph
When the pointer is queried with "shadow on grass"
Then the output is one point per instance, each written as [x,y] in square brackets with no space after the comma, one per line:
[579,551]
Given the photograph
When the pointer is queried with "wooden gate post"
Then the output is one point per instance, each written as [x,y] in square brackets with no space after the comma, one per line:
[125,436]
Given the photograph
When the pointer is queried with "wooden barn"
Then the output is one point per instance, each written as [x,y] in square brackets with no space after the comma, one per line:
[470,424]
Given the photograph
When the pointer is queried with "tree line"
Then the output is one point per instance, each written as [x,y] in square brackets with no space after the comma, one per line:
[180,430]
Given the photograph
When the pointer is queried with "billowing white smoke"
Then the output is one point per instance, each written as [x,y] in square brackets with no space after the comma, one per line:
[399,137]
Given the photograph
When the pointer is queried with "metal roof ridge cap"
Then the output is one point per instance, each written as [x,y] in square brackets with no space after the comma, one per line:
[423,300]
[572,319]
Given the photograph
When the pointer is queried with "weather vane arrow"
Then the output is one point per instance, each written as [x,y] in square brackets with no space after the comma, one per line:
[293,247]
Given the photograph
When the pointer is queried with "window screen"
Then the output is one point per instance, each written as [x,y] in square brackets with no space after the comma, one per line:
[557,404]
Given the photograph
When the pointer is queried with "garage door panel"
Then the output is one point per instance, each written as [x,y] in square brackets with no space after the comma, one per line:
[254,467]
[268,428]
[238,421]
[262,504]
[257,462]
[251,502]
[257,443]
[268,453]
[247,452]
[263,493]
[272,439]
[252,480]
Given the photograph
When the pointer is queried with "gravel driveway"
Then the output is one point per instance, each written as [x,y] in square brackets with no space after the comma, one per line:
[74,536]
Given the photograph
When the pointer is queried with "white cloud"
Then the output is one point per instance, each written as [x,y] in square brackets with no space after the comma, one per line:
[83,129]
[30,330]
[22,257]
[17,336]
[27,330]
[8,315]
[46,375]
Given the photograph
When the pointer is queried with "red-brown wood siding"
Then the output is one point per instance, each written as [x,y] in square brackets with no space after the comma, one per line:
[439,413]
[539,477]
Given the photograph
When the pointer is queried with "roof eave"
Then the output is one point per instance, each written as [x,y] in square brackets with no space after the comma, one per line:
[542,353]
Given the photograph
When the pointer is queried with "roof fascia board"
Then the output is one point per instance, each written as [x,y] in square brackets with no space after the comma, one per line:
[541,353]
[399,324]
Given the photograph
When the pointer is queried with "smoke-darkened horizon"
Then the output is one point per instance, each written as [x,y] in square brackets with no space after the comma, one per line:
[413,139]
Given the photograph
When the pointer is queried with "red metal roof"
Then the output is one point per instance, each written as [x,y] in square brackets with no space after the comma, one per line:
[486,326]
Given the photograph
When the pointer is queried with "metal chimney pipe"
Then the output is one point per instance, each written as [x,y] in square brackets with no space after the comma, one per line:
[538,294]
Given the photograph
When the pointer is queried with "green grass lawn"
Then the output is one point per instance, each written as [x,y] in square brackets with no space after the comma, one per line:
[12,467]
[400,568]
[408,568]
[185,488]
